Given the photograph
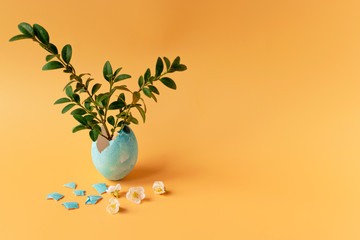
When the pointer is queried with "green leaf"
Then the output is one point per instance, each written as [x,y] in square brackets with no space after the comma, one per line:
[147,75]
[49,57]
[44,46]
[79,86]
[180,67]
[66,53]
[117,71]
[97,128]
[41,34]
[111,120]
[88,99]
[136,97]
[92,122]
[141,81]
[94,135]
[98,101]
[78,128]
[26,29]
[68,84]
[78,111]
[168,82]
[142,112]
[52,65]
[88,117]
[159,67]
[147,92]
[107,70]
[153,97]
[88,82]
[80,119]
[144,104]
[120,123]
[121,77]
[153,89]
[83,74]
[67,108]
[122,87]
[112,91]
[62,100]
[87,105]
[95,88]
[18,37]
[53,48]
[122,97]
[116,105]
[176,61]
[134,120]
[69,91]
[76,97]
[105,100]
[167,62]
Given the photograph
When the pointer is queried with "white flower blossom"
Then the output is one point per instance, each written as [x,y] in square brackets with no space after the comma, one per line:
[115,190]
[135,194]
[114,206]
[159,187]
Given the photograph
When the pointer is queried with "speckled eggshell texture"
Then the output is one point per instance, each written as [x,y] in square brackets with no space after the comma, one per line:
[119,158]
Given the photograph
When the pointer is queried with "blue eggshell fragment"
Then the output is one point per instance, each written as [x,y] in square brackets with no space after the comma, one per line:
[79,192]
[92,199]
[100,187]
[55,196]
[71,205]
[70,185]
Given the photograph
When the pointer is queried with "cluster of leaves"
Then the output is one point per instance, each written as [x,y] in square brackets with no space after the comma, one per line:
[92,109]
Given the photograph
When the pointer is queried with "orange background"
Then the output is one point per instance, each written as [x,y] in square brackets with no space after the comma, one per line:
[260,141]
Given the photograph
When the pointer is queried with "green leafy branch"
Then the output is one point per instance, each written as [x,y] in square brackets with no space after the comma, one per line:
[94,110]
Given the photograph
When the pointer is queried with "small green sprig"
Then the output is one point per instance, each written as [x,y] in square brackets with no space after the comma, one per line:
[93,109]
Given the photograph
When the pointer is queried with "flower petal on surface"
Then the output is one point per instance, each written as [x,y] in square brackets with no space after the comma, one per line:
[141,196]
[118,187]
[159,187]
[113,206]
[114,188]
[128,195]
[137,200]
[135,194]
[110,189]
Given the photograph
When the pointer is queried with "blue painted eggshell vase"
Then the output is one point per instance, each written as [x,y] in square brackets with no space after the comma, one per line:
[119,156]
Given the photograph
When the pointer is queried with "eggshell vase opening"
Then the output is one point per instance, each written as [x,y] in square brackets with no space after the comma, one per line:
[118,158]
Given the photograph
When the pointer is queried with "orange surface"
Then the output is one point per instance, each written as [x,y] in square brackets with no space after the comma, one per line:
[260,141]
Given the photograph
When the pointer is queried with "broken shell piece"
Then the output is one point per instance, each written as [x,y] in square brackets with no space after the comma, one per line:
[70,185]
[92,199]
[55,196]
[100,187]
[70,205]
[79,192]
